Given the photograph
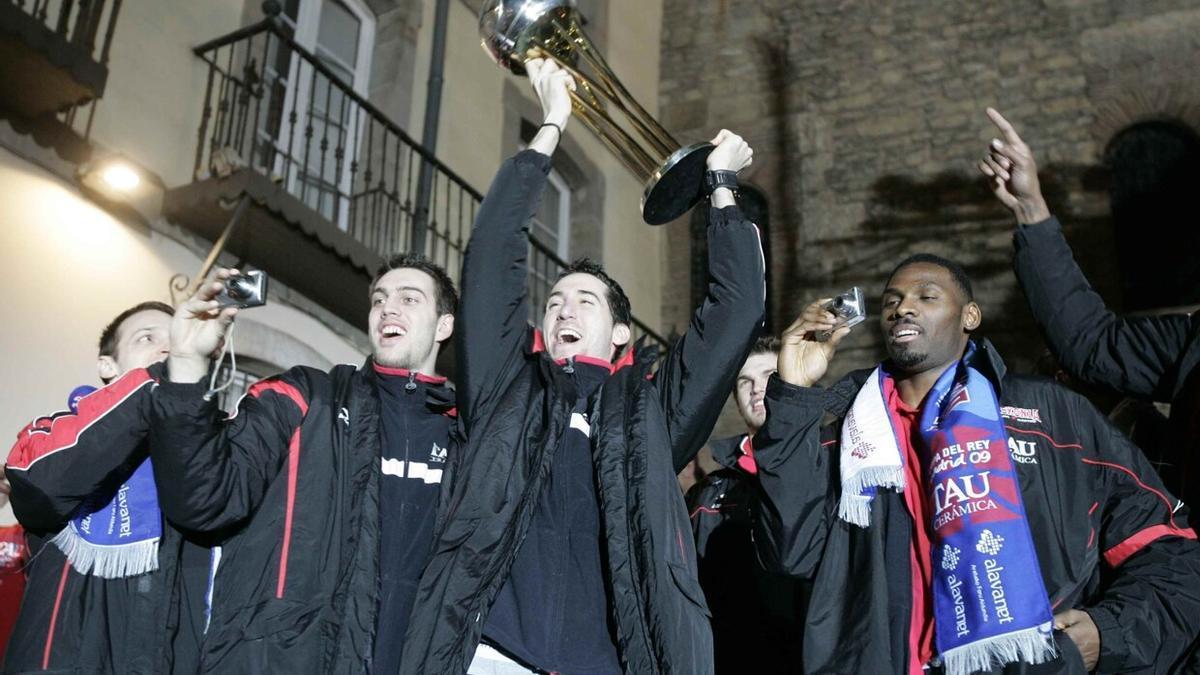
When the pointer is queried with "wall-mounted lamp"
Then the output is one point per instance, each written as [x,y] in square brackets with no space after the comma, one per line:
[113,177]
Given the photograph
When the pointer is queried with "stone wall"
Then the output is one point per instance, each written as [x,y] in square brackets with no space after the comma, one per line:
[867,119]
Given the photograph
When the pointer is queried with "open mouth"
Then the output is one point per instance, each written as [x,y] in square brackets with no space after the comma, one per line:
[568,336]
[905,333]
[391,332]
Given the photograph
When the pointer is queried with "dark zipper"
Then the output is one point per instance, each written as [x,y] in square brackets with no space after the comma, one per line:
[409,388]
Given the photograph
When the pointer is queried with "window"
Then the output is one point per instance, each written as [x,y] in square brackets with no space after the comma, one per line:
[753,203]
[309,116]
[1155,168]
[550,237]
[248,372]
[552,223]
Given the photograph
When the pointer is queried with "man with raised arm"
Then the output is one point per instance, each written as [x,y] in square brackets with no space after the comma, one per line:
[1148,357]
[565,545]
[326,483]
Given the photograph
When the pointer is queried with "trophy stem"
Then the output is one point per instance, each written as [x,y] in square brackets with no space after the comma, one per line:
[615,138]
[610,87]
[656,132]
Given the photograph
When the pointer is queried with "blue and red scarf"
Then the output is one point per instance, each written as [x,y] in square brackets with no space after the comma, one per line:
[118,538]
[989,602]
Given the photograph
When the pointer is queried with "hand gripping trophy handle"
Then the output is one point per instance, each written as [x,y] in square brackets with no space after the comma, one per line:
[515,31]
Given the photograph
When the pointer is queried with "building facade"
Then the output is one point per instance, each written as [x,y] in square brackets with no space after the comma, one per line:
[298,122]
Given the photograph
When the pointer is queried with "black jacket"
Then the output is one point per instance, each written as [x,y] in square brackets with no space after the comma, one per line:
[1109,539]
[79,622]
[296,470]
[515,405]
[756,615]
[1150,357]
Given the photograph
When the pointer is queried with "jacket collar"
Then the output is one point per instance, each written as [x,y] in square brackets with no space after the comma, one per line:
[987,361]
[439,393]
[626,359]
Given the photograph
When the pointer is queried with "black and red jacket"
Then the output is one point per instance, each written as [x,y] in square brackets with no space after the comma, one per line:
[297,472]
[1109,538]
[1151,358]
[756,614]
[76,622]
[517,404]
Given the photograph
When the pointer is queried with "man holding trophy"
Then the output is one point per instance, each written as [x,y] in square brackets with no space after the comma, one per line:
[563,541]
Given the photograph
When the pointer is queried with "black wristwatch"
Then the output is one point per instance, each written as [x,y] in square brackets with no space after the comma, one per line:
[714,180]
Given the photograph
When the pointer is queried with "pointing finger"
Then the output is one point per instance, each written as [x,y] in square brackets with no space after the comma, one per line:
[1010,134]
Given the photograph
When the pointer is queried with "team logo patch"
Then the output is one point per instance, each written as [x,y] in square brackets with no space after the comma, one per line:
[950,556]
[579,422]
[1022,452]
[958,396]
[1026,415]
[989,543]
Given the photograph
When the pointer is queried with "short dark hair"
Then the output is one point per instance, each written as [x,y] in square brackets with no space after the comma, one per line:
[443,285]
[108,336]
[766,344]
[956,270]
[618,302]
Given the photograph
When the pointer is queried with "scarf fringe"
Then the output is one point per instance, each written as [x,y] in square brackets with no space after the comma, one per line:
[107,562]
[1032,645]
[855,507]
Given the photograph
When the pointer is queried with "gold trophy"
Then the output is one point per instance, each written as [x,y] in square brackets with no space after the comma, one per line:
[515,31]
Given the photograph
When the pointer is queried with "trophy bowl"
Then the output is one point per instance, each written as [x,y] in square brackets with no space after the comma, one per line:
[515,31]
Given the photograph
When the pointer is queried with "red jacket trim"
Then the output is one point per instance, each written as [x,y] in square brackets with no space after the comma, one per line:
[293,470]
[404,372]
[47,436]
[1118,554]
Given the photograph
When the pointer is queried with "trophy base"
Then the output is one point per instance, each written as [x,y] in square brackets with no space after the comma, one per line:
[677,184]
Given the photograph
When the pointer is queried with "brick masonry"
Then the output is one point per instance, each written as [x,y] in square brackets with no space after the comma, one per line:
[867,118]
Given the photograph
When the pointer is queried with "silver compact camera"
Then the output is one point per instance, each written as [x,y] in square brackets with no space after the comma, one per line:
[244,290]
[850,308]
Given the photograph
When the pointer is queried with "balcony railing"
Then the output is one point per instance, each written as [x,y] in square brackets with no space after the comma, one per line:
[273,107]
[54,53]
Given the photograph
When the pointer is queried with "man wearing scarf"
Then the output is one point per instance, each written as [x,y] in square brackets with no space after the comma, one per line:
[957,518]
[112,588]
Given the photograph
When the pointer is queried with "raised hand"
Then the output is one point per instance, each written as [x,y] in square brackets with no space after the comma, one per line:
[803,357]
[197,329]
[553,87]
[731,154]
[1013,172]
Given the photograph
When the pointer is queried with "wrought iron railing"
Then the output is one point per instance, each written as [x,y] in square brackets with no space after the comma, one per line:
[272,106]
[79,24]
[77,21]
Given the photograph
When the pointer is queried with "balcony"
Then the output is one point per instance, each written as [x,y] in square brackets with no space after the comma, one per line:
[49,56]
[332,187]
